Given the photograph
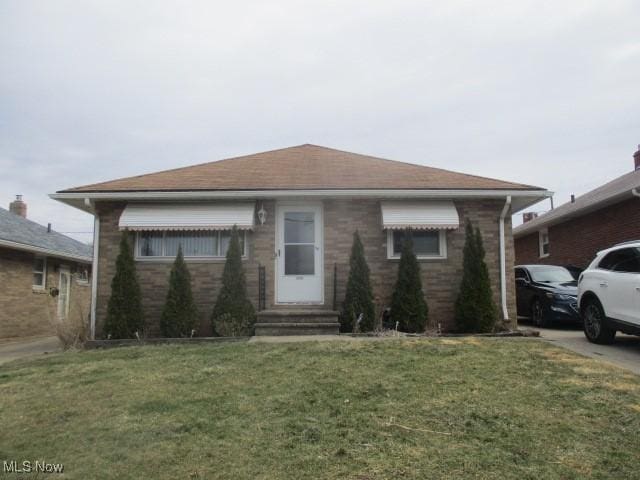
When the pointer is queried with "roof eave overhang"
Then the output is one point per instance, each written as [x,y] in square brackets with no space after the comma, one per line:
[44,251]
[540,223]
[522,198]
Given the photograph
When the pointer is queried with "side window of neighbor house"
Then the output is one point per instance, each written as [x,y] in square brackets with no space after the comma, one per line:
[426,243]
[39,272]
[195,244]
[543,240]
[83,275]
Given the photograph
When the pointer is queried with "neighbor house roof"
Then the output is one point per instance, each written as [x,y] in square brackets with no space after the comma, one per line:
[23,234]
[300,168]
[608,194]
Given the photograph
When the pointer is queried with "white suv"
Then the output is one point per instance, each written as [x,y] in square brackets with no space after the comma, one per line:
[609,293]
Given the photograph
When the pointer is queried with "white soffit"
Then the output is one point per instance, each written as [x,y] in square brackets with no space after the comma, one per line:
[420,215]
[187,216]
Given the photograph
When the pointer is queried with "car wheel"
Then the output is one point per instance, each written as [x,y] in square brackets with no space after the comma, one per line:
[537,314]
[595,324]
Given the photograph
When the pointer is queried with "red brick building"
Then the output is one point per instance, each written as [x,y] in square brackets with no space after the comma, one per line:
[574,232]
[297,209]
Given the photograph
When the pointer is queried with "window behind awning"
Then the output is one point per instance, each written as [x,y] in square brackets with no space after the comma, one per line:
[188,216]
[429,215]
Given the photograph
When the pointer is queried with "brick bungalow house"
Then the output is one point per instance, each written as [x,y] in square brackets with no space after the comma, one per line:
[44,276]
[298,208]
[574,232]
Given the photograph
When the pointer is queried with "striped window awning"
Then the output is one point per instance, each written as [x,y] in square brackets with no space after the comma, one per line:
[188,216]
[436,215]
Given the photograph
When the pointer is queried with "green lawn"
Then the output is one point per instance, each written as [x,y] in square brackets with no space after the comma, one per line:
[449,408]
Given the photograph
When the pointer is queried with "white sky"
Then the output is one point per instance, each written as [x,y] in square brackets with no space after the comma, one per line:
[543,93]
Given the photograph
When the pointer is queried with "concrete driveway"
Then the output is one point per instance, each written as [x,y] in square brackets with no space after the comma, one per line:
[625,352]
[12,350]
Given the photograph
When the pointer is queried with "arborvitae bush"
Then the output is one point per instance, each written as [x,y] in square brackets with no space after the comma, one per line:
[233,314]
[359,296]
[408,306]
[180,314]
[124,310]
[475,310]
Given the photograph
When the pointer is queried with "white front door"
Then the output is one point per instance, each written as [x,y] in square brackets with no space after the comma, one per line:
[299,252]
[64,288]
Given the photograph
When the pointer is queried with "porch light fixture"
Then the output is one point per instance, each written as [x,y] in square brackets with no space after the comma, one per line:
[262,214]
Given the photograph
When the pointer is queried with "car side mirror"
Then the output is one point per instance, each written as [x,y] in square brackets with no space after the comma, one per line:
[522,282]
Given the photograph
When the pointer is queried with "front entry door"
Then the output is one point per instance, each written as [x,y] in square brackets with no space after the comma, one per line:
[299,252]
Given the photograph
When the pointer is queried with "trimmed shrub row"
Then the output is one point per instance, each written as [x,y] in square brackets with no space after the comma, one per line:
[475,311]
[234,314]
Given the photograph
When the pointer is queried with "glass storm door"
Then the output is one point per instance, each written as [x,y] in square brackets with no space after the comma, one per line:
[299,254]
[63,293]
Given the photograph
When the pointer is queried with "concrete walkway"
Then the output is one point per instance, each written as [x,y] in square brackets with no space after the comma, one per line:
[12,350]
[625,352]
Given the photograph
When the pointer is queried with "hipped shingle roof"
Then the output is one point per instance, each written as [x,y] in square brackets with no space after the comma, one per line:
[300,168]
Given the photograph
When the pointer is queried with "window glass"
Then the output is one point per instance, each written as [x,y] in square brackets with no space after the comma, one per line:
[83,275]
[299,259]
[225,238]
[299,227]
[544,242]
[608,260]
[425,242]
[194,244]
[520,273]
[549,274]
[623,260]
[39,271]
[150,244]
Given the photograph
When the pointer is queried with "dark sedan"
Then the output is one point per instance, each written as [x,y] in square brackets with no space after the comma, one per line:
[546,294]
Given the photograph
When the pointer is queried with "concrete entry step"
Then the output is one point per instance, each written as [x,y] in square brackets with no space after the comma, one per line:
[297,322]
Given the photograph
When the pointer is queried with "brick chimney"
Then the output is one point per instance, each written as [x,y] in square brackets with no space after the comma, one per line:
[528,216]
[636,158]
[18,207]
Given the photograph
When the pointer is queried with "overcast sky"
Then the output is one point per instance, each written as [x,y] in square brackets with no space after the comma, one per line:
[544,93]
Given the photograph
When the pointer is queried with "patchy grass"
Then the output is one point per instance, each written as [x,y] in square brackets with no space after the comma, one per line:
[479,408]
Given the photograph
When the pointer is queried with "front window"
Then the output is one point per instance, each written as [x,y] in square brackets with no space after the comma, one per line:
[543,240]
[39,272]
[83,275]
[550,274]
[426,243]
[195,244]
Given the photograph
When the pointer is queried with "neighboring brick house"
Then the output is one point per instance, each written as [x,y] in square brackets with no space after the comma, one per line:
[44,276]
[298,208]
[574,232]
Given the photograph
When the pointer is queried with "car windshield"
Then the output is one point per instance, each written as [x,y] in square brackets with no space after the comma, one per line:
[550,274]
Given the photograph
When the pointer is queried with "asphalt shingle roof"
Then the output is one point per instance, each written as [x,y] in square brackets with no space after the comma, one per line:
[607,194]
[298,168]
[14,228]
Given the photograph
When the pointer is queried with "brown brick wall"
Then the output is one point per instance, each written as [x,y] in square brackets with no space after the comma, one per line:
[341,218]
[576,241]
[441,278]
[25,311]
[206,276]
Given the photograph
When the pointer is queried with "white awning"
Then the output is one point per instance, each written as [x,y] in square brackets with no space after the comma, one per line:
[420,215]
[187,216]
